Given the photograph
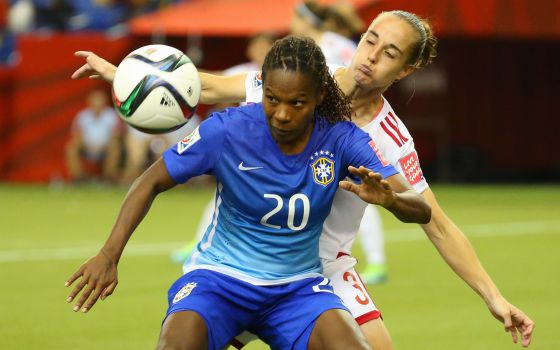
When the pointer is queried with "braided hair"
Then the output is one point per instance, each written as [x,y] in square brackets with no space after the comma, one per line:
[302,55]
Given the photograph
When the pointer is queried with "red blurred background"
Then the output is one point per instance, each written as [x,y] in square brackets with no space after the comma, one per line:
[484,111]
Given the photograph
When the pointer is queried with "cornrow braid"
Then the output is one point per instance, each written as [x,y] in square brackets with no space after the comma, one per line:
[302,55]
[426,48]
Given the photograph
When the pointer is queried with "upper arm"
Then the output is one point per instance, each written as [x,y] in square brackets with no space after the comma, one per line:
[157,177]
[222,89]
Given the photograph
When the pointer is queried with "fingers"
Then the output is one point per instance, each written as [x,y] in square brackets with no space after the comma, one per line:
[364,173]
[81,72]
[527,334]
[92,300]
[83,53]
[84,296]
[74,277]
[348,186]
[526,329]
[513,332]
[109,290]
[76,291]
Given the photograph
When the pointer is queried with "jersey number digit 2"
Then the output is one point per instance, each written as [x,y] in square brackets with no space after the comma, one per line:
[291,211]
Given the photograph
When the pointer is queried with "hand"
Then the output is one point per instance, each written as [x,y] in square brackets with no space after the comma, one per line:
[95,67]
[514,320]
[98,277]
[373,188]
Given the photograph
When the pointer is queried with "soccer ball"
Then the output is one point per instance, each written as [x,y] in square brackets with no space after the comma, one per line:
[156,89]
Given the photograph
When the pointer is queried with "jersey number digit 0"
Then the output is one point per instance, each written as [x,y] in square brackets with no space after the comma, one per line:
[291,211]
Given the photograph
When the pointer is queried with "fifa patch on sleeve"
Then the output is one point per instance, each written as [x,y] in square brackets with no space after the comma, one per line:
[257,80]
[188,141]
[411,168]
[373,146]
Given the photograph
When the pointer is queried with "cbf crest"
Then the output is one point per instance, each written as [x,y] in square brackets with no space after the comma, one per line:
[184,292]
[323,167]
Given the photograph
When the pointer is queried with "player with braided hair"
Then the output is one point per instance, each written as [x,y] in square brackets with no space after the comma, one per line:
[302,53]
[278,165]
[395,44]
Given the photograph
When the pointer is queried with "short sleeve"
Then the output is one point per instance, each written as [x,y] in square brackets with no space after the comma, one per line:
[359,151]
[409,165]
[253,87]
[198,152]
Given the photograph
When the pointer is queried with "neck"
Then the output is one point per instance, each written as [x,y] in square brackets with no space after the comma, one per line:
[297,145]
[365,102]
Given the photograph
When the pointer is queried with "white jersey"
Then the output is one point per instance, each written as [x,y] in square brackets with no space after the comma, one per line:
[393,144]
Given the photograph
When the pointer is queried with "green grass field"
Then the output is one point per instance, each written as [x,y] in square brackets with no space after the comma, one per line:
[47,233]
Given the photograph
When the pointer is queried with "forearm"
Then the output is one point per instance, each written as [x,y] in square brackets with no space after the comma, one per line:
[221,89]
[135,206]
[457,251]
[409,206]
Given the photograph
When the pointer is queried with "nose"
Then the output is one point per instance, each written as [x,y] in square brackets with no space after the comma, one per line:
[282,115]
[374,54]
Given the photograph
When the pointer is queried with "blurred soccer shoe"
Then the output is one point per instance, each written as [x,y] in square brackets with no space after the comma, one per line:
[374,274]
[179,256]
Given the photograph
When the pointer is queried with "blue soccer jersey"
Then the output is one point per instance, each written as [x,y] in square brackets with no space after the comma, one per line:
[270,207]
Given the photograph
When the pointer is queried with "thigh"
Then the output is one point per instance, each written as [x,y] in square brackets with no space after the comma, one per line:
[348,285]
[183,330]
[210,298]
[377,334]
[286,323]
[336,329]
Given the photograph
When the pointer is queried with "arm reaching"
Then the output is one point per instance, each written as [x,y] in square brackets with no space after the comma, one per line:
[214,88]
[394,194]
[98,275]
[459,254]
[95,67]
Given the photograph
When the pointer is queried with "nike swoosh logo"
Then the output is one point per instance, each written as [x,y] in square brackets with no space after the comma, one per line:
[245,168]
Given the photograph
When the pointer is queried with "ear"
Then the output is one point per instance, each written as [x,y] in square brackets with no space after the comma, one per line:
[405,72]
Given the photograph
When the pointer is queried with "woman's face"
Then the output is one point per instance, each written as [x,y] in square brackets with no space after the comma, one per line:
[383,52]
[289,102]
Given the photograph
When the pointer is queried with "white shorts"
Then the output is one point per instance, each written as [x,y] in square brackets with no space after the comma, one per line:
[347,284]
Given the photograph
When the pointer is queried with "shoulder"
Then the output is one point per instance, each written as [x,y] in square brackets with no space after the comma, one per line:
[391,124]
[333,68]
[347,130]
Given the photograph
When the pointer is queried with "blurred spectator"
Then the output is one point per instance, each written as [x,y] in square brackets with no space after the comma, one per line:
[7,47]
[21,16]
[308,19]
[257,48]
[52,14]
[94,150]
[341,18]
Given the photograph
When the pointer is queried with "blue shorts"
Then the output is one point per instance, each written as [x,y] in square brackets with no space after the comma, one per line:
[283,315]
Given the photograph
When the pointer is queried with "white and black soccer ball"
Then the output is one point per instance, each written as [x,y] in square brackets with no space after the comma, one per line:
[156,89]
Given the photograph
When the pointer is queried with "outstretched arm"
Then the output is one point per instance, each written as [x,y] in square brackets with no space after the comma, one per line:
[214,88]
[393,193]
[99,273]
[459,254]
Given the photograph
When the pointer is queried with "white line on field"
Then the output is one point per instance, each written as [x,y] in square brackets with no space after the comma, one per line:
[391,236]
